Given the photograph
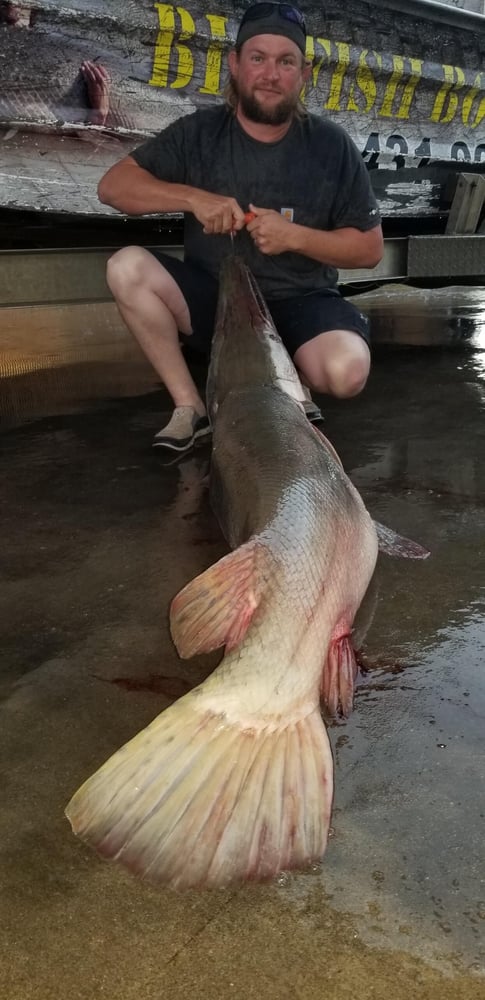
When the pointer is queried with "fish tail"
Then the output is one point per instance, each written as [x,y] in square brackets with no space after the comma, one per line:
[195,801]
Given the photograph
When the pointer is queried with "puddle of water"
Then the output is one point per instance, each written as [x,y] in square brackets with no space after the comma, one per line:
[98,535]
[434,317]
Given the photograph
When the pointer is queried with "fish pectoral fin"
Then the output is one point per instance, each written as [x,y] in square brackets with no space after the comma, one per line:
[393,544]
[216,608]
[339,676]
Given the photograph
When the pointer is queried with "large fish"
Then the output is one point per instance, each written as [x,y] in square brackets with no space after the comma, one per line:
[234,781]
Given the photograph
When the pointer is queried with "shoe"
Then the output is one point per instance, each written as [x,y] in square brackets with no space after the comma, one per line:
[312,412]
[183,429]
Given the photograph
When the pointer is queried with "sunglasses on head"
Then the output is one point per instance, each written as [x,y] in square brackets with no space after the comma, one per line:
[285,10]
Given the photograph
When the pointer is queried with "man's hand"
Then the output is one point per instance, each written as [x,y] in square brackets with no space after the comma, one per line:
[216,212]
[346,247]
[270,231]
[98,83]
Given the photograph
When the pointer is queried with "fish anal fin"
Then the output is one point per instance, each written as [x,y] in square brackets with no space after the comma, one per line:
[338,678]
[217,607]
[397,545]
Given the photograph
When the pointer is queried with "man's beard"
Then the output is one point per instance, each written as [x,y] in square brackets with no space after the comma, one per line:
[252,109]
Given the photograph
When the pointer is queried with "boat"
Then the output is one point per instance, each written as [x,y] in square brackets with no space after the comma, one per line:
[83,82]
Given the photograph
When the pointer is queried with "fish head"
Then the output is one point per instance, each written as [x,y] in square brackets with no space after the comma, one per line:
[247,349]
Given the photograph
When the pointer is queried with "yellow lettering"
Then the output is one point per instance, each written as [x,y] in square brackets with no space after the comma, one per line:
[309,47]
[365,82]
[391,92]
[317,64]
[165,46]
[343,50]
[326,45]
[466,110]
[212,81]
[454,80]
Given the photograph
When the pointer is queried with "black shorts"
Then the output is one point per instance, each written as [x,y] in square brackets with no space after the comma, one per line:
[297,319]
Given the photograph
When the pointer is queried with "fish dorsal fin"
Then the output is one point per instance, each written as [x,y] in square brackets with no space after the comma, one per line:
[216,608]
[397,545]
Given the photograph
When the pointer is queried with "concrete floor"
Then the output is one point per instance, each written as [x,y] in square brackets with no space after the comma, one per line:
[97,535]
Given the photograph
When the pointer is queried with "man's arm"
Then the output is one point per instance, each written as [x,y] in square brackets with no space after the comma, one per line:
[135,191]
[346,247]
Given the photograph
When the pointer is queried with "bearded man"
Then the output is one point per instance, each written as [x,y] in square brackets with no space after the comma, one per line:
[311,208]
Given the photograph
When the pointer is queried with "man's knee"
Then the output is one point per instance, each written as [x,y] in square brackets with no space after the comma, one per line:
[125,270]
[337,363]
[346,376]
[343,375]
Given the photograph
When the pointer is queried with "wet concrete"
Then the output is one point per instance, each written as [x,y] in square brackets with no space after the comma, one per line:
[98,534]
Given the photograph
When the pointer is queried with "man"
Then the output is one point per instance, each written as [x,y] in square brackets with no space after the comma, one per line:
[314,211]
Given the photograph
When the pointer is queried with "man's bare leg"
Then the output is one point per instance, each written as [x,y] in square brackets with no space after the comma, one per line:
[336,363]
[155,310]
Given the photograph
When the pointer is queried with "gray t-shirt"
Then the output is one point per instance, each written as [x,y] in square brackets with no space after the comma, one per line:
[315,173]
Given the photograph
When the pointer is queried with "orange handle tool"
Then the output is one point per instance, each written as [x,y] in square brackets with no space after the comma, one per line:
[248,217]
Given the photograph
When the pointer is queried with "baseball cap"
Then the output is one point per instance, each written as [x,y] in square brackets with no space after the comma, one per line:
[272,19]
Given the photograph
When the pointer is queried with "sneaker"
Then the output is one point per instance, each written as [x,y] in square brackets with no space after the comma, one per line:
[312,412]
[182,430]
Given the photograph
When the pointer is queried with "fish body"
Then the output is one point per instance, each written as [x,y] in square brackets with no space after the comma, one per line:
[234,781]
[278,488]
[281,495]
